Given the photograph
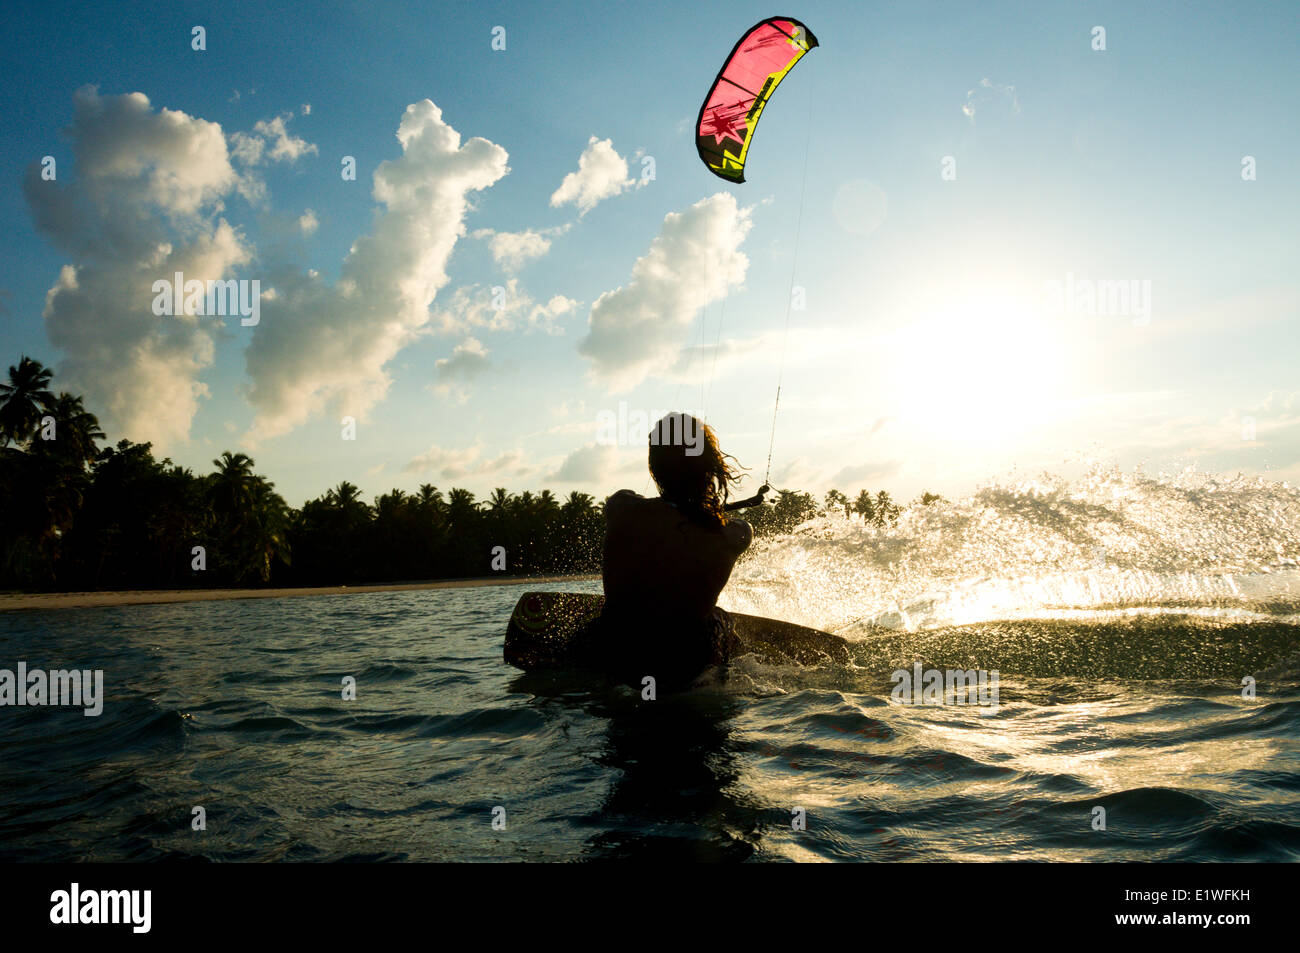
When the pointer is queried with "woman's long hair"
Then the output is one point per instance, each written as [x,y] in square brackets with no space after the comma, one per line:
[690,469]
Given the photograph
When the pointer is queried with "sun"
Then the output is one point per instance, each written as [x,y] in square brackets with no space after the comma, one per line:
[980,366]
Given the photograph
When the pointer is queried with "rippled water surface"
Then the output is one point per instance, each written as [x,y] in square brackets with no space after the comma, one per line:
[1121,613]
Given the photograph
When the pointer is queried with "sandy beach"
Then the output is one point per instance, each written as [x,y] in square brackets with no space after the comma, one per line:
[82,600]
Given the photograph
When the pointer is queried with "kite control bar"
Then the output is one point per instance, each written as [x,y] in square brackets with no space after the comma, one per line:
[756,500]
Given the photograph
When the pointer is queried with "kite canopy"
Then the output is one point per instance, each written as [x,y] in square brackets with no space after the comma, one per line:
[756,66]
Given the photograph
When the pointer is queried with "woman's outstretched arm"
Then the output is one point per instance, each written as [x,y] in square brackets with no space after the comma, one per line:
[756,500]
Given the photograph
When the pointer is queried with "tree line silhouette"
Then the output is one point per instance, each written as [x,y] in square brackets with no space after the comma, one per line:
[78,516]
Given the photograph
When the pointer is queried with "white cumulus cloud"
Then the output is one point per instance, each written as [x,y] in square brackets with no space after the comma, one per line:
[468,360]
[324,346]
[143,204]
[475,306]
[693,261]
[504,307]
[452,464]
[513,250]
[543,316]
[602,174]
[270,139]
[593,463]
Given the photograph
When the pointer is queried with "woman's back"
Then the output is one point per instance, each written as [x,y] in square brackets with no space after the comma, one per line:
[659,562]
[666,560]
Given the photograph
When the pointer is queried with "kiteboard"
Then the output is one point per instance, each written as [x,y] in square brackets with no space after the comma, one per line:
[544,624]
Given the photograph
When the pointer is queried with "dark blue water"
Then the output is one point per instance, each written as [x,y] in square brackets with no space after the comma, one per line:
[1121,688]
[236,706]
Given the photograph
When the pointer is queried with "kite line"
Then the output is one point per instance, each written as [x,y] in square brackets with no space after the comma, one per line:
[724,131]
[789,298]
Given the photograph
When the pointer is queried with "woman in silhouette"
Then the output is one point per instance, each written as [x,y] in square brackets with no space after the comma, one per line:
[666,559]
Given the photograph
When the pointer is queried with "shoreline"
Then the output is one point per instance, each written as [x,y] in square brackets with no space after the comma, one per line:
[141,597]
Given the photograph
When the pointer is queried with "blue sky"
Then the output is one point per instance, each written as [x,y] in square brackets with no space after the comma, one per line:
[928,356]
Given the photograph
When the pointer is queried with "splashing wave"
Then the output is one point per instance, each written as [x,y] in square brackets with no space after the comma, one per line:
[1042,548]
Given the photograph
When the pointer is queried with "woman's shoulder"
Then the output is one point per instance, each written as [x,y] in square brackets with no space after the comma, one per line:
[623,498]
[739,532]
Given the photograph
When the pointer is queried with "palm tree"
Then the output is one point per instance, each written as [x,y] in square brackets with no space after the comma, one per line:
[865,506]
[429,498]
[835,500]
[233,486]
[390,505]
[76,432]
[791,509]
[501,523]
[23,400]
[576,547]
[58,471]
[886,509]
[252,520]
[232,496]
[460,506]
[579,504]
[269,536]
[547,505]
[345,495]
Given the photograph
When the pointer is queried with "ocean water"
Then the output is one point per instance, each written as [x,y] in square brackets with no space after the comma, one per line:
[1122,613]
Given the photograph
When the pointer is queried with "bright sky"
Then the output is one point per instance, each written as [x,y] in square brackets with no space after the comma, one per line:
[973,170]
